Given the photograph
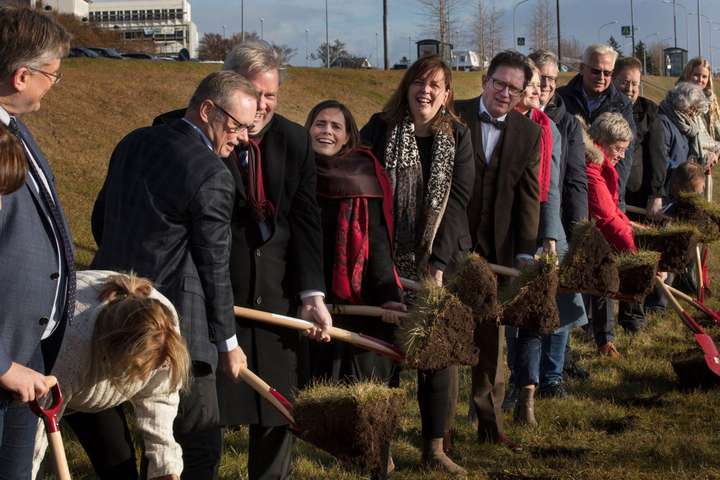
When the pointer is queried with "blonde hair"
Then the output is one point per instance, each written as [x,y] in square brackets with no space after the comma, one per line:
[254,56]
[135,335]
[713,108]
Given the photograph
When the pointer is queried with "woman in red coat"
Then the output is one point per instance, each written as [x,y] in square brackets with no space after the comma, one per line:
[605,144]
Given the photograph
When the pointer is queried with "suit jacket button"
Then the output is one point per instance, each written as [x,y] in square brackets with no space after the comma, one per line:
[44,321]
[258,252]
[54,276]
[258,300]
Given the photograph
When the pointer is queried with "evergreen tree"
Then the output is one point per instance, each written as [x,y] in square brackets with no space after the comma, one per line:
[614,44]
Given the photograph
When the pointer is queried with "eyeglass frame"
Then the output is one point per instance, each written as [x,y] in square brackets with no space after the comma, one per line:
[598,71]
[512,90]
[239,126]
[54,77]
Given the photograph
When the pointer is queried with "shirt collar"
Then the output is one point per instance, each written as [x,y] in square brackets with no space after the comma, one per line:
[483,109]
[203,137]
[5,117]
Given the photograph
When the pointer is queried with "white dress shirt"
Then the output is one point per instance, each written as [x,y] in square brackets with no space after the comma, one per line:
[490,134]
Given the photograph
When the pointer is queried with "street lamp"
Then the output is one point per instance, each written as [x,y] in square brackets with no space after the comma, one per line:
[514,12]
[262,23]
[687,33]
[224,27]
[242,20]
[307,56]
[614,22]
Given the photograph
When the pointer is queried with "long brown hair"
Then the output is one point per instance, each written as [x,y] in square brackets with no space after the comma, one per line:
[13,166]
[351,128]
[135,335]
[397,107]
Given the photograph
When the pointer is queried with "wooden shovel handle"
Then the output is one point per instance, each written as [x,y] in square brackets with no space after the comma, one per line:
[643,211]
[362,310]
[58,452]
[499,269]
[686,318]
[268,393]
[698,261]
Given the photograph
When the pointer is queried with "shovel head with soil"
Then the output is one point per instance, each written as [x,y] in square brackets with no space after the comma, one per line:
[675,242]
[589,265]
[693,209]
[637,273]
[353,422]
[475,285]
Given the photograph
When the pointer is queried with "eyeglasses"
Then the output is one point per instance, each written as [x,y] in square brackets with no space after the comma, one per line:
[499,86]
[54,77]
[547,80]
[239,126]
[597,72]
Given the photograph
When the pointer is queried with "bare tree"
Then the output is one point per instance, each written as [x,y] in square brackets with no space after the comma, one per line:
[656,52]
[542,26]
[488,34]
[572,51]
[441,20]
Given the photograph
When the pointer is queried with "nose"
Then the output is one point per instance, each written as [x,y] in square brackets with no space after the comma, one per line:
[242,137]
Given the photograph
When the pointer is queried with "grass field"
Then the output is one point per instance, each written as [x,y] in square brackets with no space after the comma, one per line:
[629,421]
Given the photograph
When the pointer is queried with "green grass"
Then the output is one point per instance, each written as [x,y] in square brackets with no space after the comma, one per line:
[609,428]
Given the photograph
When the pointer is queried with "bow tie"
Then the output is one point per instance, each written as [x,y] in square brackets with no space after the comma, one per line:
[486,118]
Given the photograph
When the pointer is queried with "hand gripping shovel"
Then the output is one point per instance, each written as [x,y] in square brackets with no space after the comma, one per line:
[361,310]
[363,341]
[49,417]
[712,356]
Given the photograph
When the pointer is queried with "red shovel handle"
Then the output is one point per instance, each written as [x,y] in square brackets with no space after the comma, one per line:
[49,415]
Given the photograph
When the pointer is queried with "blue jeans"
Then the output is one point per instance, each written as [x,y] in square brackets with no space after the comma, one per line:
[18,425]
[552,360]
[603,319]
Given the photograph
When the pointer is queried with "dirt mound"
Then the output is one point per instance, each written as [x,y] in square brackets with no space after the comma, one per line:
[531,298]
[589,265]
[637,273]
[675,242]
[476,286]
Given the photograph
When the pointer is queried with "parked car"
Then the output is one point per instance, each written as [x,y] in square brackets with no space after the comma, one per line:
[138,56]
[107,52]
[82,52]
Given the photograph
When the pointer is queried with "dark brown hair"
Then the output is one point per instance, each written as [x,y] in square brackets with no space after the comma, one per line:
[28,37]
[627,62]
[397,107]
[684,178]
[13,165]
[135,335]
[511,59]
[350,124]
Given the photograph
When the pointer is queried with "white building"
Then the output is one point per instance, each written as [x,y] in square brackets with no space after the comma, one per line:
[168,23]
[79,8]
[466,60]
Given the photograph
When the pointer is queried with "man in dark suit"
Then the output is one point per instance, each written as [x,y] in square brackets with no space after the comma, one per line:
[504,210]
[164,212]
[37,272]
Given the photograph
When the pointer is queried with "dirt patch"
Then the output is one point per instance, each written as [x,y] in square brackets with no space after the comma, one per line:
[637,273]
[438,332]
[654,401]
[692,371]
[352,422]
[531,298]
[476,286]
[676,244]
[589,265]
[615,426]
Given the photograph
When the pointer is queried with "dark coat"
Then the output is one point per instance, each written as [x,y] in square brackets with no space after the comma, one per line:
[616,102]
[28,267]
[573,179]
[164,213]
[647,177]
[452,236]
[517,203]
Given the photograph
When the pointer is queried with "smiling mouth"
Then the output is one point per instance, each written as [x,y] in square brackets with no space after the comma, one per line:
[423,101]
[325,141]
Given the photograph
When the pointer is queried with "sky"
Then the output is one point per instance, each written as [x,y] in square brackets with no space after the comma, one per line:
[300,24]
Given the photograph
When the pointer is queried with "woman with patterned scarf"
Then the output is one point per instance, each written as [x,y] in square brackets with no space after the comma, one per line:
[428,155]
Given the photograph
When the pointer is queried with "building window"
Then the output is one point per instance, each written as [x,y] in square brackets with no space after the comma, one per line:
[179,13]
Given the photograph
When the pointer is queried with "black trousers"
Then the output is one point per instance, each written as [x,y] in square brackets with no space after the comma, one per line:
[433,396]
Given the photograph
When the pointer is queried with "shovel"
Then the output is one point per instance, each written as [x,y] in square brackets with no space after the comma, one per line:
[700,306]
[361,310]
[49,418]
[358,339]
[275,398]
[499,269]
[712,356]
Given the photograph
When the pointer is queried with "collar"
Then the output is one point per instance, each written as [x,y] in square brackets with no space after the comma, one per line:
[483,109]
[596,98]
[203,137]
[5,117]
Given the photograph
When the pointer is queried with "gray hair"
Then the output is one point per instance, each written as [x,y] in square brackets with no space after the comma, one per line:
[599,49]
[29,38]
[254,56]
[219,87]
[542,57]
[609,128]
[685,96]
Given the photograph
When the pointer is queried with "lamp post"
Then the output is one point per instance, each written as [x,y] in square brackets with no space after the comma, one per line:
[224,28]
[307,56]
[242,20]
[632,26]
[613,22]
[687,33]
[514,12]
[327,37]
[707,19]
[262,28]
[409,49]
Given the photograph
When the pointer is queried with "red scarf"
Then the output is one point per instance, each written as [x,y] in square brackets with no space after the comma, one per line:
[546,146]
[352,241]
[260,206]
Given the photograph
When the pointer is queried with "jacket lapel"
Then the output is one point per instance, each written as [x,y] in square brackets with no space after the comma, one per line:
[274,148]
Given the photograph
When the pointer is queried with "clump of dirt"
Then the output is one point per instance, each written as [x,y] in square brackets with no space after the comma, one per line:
[693,209]
[589,265]
[530,300]
[438,331]
[353,422]
[637,273]
[475,284]
[675,242]
[692,371]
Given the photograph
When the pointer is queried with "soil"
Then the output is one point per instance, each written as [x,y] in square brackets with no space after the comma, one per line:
[475,284]
[676,246]
[695,210]
[589,265]
[637,278]
[534,305]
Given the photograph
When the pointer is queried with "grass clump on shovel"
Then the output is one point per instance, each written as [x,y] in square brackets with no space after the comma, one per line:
[692,208]
[529,301]
[438,331]
[589,265]
[637,273]
[675,242]
[475,284]
[352,422]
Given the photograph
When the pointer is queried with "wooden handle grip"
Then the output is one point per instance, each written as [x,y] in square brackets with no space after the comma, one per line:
[362,310]
[266,391]
[58,452]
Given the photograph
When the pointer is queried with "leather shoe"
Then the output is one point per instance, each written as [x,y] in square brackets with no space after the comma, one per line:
[608,350]
[506,442]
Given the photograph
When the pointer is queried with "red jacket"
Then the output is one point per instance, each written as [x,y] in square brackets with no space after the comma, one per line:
[603,202]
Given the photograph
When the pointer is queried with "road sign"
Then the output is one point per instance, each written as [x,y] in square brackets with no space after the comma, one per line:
[625,31]
[520,41]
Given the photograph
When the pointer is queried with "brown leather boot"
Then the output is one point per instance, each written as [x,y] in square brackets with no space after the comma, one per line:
[525,407]
[433,456]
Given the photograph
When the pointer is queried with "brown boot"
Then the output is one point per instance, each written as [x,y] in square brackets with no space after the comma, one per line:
[433,456]
[525,407]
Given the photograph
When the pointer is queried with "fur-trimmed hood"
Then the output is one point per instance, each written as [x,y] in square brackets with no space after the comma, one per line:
[593,153]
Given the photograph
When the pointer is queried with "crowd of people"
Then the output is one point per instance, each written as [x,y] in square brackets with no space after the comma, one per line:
[226,202]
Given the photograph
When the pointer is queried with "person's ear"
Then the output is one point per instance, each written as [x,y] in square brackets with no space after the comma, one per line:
[205,110]
[20,78]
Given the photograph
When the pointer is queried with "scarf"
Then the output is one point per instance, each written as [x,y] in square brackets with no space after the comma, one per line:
[419,208]
[353,179]
[687,126]
[260,206]
[546,147]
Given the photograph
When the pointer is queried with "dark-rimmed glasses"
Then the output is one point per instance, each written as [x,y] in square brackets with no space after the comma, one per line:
[239,126]
[54,77]
[598,71]
[499,86]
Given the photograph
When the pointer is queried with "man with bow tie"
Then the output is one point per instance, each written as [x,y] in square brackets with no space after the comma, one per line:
[37,272]
[504,211]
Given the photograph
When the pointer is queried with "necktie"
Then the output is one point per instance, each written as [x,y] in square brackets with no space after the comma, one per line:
[57,218]
[486,118]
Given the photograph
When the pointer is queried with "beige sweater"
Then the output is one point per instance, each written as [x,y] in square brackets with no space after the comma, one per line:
[154,403]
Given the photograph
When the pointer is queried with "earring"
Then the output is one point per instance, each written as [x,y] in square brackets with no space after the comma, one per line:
[443,111]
